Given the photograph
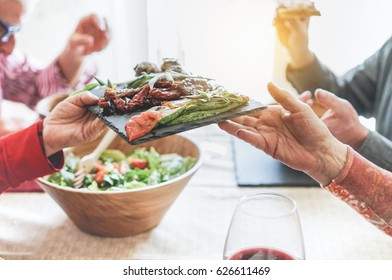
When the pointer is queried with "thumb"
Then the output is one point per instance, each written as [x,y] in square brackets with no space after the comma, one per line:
[305,96]
[300,23]
[83,99]
[286,99]
[78,39]
[328,99]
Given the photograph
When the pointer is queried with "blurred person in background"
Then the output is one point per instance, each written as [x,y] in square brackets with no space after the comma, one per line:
[21,81]
[293,134]
[367,88]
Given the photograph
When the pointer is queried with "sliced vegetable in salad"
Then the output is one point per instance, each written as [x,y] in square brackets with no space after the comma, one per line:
[116,171]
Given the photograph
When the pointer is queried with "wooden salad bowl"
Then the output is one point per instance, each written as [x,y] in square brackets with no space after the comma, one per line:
[128,212]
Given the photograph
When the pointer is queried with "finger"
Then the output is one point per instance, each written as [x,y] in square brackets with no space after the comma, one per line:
[310,102]
[230,127]
[277,21]
[94,25]
[329,114]
[291,23]
[246,120]
[98,125]
[244,133]
[281,25]
[103,24]
[298,22]
[83,99]
[78,39]
[101,42]
[253,138]
[286,99]
[328,99]
[305,96]
[96,22]
[100,31]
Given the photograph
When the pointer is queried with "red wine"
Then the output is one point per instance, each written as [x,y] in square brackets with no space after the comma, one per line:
[261,254]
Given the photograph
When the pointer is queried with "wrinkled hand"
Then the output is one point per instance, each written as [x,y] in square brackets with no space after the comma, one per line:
[293,34]
[70,123]
[340,118]
[293,134]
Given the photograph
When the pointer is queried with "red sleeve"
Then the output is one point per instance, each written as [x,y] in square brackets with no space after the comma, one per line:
[367,188]
[23,158]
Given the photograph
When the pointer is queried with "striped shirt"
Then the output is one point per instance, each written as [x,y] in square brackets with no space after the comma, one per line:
[23,81]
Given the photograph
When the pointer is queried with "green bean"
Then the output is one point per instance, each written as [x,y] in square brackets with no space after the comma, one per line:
[86,88]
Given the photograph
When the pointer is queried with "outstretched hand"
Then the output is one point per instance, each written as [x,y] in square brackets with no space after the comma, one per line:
[70,123]
[293,134]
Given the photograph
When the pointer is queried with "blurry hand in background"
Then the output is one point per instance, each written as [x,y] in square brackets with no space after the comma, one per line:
[91,35]
[340,117]
[293,34]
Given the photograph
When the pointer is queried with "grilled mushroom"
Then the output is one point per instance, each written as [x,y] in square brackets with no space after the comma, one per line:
[177,68]
[147,67]
[169,62]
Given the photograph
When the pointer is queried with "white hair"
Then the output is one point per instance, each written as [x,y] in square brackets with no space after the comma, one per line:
[23,2]
[28,5]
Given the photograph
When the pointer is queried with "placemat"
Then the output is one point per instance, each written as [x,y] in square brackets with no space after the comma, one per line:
[255,168]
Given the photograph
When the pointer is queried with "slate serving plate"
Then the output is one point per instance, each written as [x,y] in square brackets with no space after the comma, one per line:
[117,122]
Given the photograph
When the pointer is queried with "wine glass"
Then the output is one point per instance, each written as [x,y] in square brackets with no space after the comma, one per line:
[265,226]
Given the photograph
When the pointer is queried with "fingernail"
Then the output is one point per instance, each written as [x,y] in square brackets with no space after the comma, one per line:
[320,94]
[103,23]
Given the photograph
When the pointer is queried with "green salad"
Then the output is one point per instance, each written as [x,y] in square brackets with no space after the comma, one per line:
[116,171]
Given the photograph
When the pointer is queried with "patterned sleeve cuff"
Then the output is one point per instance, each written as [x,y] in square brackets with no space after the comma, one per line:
[347,166]
[367,189]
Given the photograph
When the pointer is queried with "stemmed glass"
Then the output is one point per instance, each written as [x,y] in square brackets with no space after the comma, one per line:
[265,226]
